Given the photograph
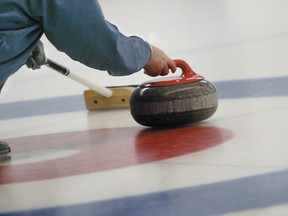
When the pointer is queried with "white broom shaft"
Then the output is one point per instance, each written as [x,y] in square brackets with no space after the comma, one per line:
[91,85]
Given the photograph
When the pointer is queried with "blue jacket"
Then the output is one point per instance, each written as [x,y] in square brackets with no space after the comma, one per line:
[75,27]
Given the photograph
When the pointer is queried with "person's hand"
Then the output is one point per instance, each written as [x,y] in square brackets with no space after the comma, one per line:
[37,57]
[159,63]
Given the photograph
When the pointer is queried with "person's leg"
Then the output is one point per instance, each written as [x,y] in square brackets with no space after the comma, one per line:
[1,86]
[4,147]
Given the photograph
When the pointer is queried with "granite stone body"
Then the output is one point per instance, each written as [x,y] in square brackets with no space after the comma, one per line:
[173,105]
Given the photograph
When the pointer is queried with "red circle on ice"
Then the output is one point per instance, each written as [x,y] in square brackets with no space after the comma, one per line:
[104,149]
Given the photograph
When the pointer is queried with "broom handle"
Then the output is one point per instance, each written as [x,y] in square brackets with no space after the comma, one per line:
[66,72]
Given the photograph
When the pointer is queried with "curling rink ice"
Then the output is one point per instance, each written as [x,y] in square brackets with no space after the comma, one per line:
[67,161]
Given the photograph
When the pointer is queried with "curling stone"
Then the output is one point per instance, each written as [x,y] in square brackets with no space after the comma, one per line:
[175,100]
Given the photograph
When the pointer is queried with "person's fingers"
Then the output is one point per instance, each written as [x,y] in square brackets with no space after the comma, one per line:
[165,70]
[37,57]
[32,63]
[150,73]
[172,66]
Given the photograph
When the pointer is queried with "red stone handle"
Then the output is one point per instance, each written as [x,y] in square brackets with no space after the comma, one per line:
[188,76]
[186,69]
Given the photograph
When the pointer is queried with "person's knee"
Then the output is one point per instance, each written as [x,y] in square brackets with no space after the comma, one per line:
[1,86]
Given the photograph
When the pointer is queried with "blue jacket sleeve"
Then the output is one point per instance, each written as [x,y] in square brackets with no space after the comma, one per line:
[75,27]
[80,30]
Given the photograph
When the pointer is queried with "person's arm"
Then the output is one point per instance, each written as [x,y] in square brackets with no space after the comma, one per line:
[82,32]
